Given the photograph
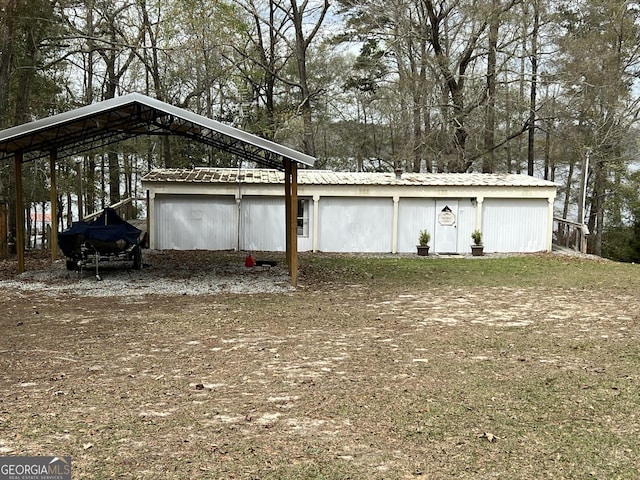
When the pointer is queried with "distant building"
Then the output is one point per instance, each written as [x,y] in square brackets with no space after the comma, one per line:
[244,209]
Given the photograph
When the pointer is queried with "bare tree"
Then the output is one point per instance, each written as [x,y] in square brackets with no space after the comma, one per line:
[300,15]
[7,34]
[264,52]
[533,55]
[488,164]
[600,86]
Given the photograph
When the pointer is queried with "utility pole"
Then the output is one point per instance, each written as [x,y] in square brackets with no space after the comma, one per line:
[583,186]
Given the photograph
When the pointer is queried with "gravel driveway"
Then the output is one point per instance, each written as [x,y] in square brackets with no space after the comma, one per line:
[164,272]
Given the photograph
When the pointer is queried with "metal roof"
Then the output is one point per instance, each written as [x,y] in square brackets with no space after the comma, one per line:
[113,120]
[325,177]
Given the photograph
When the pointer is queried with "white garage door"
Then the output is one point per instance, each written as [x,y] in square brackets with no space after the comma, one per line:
[190,222]
[510,225]
[355,224]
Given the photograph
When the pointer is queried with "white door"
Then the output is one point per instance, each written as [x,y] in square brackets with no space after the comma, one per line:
[445,238]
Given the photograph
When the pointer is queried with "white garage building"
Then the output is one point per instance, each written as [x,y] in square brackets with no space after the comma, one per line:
[244,209]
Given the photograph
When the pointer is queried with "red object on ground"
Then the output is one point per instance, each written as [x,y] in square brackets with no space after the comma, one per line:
[249,261]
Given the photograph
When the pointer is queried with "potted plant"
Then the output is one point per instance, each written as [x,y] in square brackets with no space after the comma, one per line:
[423,243]
[477,249]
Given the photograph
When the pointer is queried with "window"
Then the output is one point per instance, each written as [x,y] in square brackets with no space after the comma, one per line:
[303,218]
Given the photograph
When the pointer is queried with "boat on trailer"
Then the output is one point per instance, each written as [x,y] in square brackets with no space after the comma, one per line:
[105,238]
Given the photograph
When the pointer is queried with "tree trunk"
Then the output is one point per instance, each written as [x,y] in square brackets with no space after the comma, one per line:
[567,192]
[533,92]
[44,226]
[112,156]
[417,134]
[596,220]
[152,68]
[454,80]
[6,59]
[301,46]
[308,141]
[114,72]
[489,162]
[89,170]
[6,70]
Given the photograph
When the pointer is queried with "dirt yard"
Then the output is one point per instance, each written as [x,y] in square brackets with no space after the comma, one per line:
[333,380]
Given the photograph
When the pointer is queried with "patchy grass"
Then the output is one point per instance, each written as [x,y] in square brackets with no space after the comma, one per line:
[544,270]
[390,367]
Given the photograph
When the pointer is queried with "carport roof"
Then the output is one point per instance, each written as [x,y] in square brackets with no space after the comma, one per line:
[99,124]
[326,177]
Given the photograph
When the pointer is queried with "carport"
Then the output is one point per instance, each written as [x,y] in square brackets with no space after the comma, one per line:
[100,124]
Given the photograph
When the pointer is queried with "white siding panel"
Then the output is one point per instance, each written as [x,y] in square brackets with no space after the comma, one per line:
[351,224]
[466,224]
[515,225]
[190,222]
[414,215]
[263,224]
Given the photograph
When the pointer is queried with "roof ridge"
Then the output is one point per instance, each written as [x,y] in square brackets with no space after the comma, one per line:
[330,177]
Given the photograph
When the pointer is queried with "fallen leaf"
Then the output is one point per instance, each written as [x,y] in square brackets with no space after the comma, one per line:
[489,436]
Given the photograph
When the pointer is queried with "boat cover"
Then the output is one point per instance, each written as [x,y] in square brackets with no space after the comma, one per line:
[107,233]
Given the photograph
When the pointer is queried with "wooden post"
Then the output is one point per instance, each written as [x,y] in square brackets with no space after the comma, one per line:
[293,225]
[291,217]
[4,234]
[53,244]
[79,189]
[19,212]
[287,209]
[148,236]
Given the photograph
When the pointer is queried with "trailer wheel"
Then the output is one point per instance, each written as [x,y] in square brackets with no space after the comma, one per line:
[137,257]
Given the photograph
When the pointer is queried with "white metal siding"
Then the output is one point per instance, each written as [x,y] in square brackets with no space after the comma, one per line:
[414,215]
[351,224]
[190,222]
[345,224]
[515,225]
[263,224]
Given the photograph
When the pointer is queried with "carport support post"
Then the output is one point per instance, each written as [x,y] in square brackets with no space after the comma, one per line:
[291,213]
[53,158]
[293,268]
[19,212]
[287,210]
